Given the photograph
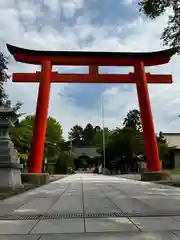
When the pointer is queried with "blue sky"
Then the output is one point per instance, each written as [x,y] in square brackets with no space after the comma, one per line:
[88,25]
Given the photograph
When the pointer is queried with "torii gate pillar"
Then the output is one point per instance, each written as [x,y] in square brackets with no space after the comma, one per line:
[40,123]
[151,148]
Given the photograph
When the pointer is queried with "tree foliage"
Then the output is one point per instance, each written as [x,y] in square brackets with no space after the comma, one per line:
[123,147]
[76,134]
[88,136]
[154,8]
[4,77]
[133,120]
[54,130]
[22,136]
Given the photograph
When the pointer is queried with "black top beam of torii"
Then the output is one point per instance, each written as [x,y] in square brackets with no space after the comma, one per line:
[92,58]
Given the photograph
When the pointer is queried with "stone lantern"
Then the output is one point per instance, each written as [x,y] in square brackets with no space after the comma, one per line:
[10,167]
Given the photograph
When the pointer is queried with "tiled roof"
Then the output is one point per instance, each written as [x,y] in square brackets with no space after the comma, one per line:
[87,151]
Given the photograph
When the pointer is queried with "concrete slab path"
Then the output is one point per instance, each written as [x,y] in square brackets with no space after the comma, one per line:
[88,206]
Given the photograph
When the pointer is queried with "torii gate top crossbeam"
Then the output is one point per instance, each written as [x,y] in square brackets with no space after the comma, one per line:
[83,58]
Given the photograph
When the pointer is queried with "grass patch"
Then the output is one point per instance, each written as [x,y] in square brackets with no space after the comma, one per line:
[175,171]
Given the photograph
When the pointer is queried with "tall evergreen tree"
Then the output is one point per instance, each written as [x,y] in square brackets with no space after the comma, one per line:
[133,120]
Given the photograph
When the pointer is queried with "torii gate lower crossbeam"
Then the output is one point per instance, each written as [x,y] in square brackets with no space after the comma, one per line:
[93,60]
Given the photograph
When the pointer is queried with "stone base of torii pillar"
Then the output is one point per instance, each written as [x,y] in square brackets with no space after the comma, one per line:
[156,176]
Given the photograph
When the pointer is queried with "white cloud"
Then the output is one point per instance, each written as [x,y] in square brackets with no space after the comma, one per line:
[54,5]
[71,6]
[68,7]
[128,2]
[135,36]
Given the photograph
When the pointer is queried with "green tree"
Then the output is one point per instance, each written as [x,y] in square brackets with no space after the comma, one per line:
[76,134]
[53,138]
[54,130]
[97,129]
[88,135]
[133,120]
[125,145]
[22,137]
[98,138]
[154,8]
[4,77]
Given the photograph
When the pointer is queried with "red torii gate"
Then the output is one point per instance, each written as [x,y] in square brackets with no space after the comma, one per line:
[92,59]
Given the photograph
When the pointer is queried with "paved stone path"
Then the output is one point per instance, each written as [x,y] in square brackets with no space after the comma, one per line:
[175,177]
[87,206]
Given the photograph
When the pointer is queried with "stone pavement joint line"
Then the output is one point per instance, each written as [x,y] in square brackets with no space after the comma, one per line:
[89,206]
[83,208]
[87,215]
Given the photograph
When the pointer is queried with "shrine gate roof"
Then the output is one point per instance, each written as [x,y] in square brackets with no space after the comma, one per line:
[83,58]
